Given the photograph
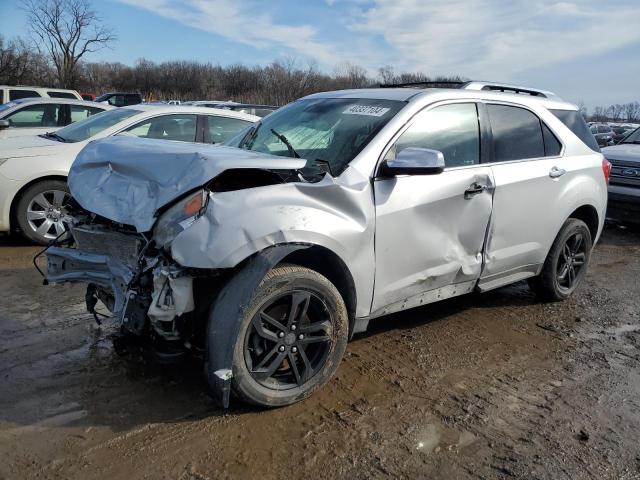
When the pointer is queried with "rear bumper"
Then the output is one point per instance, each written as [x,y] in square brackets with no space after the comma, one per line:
[624,204]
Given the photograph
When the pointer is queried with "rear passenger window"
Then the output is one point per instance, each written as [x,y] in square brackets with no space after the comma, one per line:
[451,129]
[80,112]
[16,94]
[517,133]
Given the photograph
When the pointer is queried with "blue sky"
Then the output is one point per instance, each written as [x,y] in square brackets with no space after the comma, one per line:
[581,49]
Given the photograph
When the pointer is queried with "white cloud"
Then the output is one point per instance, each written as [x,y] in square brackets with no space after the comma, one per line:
[496,39]
[237,21]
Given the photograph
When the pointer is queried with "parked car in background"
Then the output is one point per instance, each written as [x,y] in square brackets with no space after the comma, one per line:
[34,116]
[624,188]
[250,108]
[603,133]
[120,99]
[335,209]
[33,169]
[9,93]
[620,131]
[91,97]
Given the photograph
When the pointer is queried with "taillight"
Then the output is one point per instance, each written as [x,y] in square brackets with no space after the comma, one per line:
[606,169]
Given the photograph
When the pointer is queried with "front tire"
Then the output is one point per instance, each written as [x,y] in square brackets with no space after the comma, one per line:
[566,264]
[41,209]
[292,337]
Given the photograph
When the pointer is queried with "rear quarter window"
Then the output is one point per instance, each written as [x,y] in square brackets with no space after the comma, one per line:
[574,121]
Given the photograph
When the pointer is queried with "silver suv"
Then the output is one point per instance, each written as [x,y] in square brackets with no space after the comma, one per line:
[265,257]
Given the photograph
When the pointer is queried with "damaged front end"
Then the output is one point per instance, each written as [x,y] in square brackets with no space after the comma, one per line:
[145,290]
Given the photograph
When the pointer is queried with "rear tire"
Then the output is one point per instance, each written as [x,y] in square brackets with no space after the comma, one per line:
[292,337]
[40,210]
[566,264]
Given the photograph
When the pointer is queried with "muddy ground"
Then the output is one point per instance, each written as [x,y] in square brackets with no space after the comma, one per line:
[484,386]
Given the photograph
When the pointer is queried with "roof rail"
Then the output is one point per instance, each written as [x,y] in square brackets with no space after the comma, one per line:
[501,87]
[429,84]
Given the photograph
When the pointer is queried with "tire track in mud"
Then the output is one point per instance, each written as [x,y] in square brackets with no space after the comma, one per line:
[484,386]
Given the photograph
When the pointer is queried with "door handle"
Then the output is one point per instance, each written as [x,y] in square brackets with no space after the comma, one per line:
[474,189]
[556,172]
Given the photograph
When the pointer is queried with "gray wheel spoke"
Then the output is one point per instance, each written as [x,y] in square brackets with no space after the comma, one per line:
[316,327]
[44,227]
[41,200]
[35,214]
[60,228]
[272,366]
[266,358]
[263,332]
[298,308]
[577,243]
[59,197]
[316,339]
[308,369]
[294,367]
[272,321]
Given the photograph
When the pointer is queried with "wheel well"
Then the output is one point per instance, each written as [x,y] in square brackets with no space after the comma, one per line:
[589,215]
[328,264]
[14,202]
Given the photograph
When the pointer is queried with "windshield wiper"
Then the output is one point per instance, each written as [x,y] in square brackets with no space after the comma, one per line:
[251,135]
[56,136]
[284,140]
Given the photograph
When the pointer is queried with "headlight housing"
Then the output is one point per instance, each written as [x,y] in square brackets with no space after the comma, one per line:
[179,217]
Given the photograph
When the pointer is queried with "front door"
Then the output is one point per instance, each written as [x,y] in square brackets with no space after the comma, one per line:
[430,229]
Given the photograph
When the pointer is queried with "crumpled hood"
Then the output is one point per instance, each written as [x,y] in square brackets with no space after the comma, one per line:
[629,152]
[127,179]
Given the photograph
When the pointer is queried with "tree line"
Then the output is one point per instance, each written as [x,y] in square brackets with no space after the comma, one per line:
[275,84]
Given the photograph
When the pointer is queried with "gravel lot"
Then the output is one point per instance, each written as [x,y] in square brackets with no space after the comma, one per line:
[483,386]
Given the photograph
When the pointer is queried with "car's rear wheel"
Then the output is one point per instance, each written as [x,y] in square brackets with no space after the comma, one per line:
[292,337]
[41,209]
[566,264]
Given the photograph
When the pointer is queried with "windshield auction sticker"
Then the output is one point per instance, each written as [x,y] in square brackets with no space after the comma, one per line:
[369,110]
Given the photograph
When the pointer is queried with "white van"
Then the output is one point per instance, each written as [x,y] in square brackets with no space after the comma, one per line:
[8,93]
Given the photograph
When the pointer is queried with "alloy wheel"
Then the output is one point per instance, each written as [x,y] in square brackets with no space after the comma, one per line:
[45,213]
[288,340]
[571,262]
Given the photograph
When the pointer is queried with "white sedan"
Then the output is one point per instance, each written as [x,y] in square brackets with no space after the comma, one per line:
[34,116]
[33,170]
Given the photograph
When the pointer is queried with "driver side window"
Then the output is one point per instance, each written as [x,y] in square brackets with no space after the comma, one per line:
[451,129]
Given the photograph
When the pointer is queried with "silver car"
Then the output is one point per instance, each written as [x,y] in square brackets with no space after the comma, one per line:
[267,256]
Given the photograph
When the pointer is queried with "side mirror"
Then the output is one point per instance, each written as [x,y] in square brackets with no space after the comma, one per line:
[4,124]
[414,161]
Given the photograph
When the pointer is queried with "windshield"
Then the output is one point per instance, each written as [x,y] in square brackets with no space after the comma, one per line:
[79,131]
[331,130]
[633,137]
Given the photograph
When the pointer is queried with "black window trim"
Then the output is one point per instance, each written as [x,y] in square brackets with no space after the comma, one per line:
[484,144]
[492,160]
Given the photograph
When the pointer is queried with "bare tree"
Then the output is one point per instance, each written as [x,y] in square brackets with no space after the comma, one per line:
[66,30]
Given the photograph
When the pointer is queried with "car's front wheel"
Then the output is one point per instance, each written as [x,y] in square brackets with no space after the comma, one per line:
[566,264]
[41,209]
[292,337]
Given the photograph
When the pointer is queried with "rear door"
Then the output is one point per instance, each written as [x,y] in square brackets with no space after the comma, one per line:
[430,229]
[219,129]
[529,174]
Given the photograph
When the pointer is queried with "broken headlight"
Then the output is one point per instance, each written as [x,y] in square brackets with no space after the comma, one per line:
[179,217]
